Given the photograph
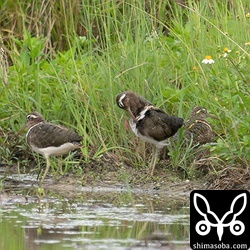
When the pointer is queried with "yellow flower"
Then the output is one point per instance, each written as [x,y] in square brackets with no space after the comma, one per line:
[248,15]
[226,51]
[208,60]
[248,43]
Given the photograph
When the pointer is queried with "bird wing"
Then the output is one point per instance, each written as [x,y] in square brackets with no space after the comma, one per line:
[201,132]
[46,134]
[159,125]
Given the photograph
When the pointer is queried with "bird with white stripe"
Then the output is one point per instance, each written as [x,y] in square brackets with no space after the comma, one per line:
[49,139]
[149,123]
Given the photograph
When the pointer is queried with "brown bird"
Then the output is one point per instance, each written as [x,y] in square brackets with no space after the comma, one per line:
[149,123]
[49,139]
[197,128]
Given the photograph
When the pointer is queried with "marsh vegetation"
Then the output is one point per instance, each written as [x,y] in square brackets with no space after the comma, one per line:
[69,59]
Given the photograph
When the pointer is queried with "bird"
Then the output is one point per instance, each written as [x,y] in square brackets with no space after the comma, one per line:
[149,123]
[49,139]
[197,128]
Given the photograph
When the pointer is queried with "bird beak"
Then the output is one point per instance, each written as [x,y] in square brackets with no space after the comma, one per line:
[21,130]
[212,116]
[131,114]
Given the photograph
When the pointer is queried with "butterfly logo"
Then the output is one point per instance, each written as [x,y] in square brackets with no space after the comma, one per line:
[203,227]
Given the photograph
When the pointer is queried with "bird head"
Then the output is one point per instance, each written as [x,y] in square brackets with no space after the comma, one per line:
[132,103]
[31,119]
[200,113]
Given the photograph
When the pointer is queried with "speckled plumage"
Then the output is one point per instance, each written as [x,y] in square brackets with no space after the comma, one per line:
[198,128]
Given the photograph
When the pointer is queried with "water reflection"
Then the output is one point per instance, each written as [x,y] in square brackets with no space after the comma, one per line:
[93,220]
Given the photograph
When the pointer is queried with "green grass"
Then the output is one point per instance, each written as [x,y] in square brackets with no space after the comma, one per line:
[70,63]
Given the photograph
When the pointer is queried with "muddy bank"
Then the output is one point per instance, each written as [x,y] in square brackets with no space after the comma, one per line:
[108,204]
[110,172]
[107,175]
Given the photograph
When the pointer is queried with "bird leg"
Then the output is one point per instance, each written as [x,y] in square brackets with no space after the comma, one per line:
[153,161]
[46,170]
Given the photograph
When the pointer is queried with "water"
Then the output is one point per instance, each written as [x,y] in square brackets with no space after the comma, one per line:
[91,218]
